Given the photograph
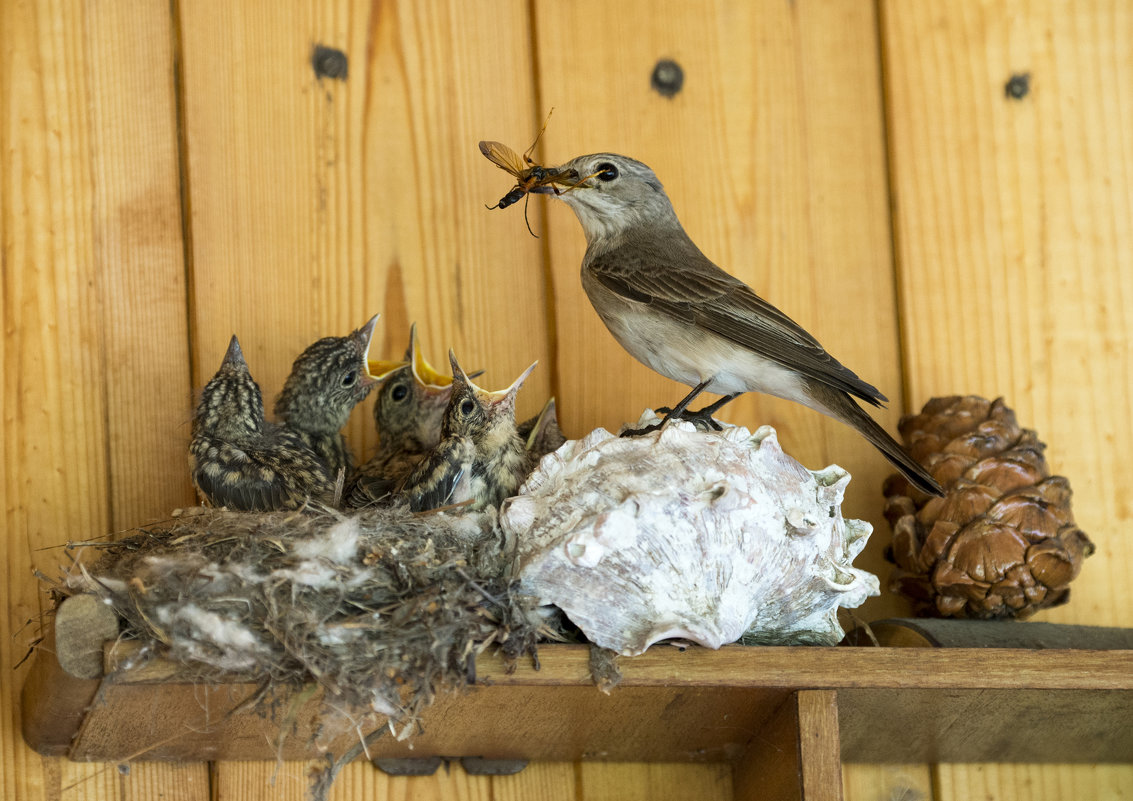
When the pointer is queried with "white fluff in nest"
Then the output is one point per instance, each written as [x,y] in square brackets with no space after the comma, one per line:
[209,637]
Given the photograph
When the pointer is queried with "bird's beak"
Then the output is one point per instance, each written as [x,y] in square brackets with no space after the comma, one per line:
[506,397]
[548,414]
[379,370]
[564,176]
[234,356]
[423,372]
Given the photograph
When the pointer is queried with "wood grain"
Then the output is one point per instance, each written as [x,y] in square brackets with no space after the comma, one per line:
[94,353]
[317,202]
[796,754]
[1013,223]
[773,156]
[314,203]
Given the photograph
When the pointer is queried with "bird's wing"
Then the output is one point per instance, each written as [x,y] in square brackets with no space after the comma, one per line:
[227,481]
[682,282]
[434,480]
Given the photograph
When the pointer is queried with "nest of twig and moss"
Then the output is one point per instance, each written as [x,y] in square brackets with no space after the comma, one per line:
[383,609]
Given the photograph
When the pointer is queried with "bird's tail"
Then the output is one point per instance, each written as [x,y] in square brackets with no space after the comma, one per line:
[842,407]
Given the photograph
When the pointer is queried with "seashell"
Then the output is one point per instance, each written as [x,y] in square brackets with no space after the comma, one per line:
[701,536]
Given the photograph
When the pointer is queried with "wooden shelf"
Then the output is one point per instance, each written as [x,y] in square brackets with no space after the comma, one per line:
[784,716]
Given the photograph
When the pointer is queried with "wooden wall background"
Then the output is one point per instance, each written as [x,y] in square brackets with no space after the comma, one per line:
[174,172]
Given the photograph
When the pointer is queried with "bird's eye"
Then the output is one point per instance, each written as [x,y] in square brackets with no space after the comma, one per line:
[399,392]
[467,407]
[607,171]
[349,379]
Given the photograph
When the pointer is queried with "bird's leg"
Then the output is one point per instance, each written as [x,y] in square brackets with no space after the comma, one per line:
[702,418]
[676,411]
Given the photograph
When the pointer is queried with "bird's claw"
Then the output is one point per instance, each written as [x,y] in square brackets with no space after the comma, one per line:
[638,432]
[702,418]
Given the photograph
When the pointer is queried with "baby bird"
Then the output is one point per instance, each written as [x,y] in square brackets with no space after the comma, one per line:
[541,434]
[480,457]
[326,382]
[408,414]
[238,459]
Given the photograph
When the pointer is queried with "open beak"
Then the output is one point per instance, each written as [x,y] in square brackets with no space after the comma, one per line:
[506,397]
[365,338]
[423,372]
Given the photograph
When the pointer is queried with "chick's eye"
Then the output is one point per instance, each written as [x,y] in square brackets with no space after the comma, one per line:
[399,392]
[467,407]
[349,379]
[607,171]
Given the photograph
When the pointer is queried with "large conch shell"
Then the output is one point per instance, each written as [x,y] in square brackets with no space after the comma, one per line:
[700,536]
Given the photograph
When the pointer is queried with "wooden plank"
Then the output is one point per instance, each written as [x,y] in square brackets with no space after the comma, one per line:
[892,782]
[773,155]
[53,705]
[318,202]
[1014,223]
[654,724]
[796,754]
[779,668]
[1014,233]
[896,705]
[946,633]
[94,347]
[1026,782]
[986,725]
[552,781]
[606,781]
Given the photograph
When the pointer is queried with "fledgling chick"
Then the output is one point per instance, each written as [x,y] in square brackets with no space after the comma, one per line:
[480,457]
[408,414]
[238,459]
[541,434]
[327,381]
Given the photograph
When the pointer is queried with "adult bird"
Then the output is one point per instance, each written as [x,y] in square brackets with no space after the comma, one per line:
[675,311]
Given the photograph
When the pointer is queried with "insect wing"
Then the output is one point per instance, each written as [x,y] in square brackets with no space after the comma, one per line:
[503,157]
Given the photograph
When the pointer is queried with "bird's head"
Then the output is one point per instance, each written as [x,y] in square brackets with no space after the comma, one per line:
[476,412]
[412,400]
[231,406]
[610,194]
[327,380]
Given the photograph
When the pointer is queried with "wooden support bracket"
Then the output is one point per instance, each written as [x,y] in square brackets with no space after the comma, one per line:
[796,756]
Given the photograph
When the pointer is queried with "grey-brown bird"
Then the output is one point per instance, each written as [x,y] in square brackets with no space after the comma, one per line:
[326,382]
[480,458]
[408,414]
[675,311]
[240,460]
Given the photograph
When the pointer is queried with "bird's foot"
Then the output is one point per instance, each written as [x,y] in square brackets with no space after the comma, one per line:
[702,418]
[638,432]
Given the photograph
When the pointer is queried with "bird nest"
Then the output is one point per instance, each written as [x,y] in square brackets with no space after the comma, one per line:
[382,609]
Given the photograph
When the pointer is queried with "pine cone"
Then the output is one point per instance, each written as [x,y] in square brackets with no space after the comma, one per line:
[1002,541]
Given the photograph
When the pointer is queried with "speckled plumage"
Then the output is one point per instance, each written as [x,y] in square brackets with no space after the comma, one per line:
[326,382]
[408,414]
[480,458]
[240,460]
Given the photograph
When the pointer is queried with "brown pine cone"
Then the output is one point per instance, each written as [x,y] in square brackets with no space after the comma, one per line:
[1002,541]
